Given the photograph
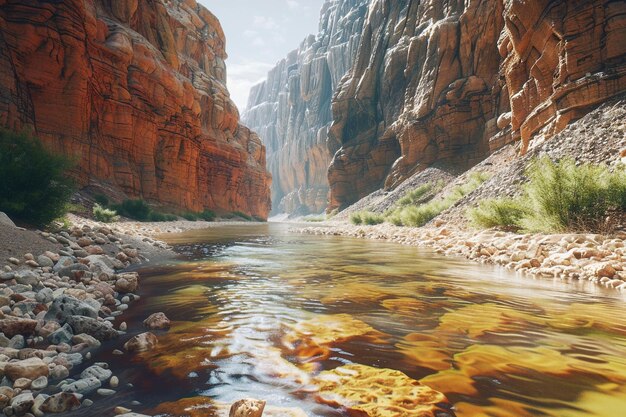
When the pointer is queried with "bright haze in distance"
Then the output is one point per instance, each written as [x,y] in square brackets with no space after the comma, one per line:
[259,33]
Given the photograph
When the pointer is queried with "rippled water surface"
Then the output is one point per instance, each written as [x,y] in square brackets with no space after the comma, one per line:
[258,312]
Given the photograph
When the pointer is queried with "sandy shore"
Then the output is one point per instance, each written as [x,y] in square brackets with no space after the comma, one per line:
[597,258]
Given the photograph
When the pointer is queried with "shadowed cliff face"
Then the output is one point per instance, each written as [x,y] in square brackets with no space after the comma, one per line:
[136,92]
[446,82]
[291,109]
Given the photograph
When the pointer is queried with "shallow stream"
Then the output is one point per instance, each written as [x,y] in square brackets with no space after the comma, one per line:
[259,311]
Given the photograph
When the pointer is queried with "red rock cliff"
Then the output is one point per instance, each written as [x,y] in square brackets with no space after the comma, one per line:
[447,81]
[136,91]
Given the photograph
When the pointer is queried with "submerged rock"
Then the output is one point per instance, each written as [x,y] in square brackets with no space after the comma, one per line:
[247,407]
[157,321]
[141,343]
[353,386]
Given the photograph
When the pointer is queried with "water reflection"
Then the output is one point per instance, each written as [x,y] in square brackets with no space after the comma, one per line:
[261,312]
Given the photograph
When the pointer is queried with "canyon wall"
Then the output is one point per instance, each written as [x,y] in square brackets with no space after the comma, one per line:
[445,82]
[135,90]
[291,109]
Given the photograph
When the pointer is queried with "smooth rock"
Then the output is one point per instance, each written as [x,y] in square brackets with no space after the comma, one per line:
[30,368]
[142,342]
[247,407]
[157,321]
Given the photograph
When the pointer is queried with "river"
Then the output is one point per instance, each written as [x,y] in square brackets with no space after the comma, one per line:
[259,311]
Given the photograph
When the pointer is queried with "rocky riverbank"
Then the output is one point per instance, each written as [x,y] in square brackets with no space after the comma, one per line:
[593,257]
[60,301]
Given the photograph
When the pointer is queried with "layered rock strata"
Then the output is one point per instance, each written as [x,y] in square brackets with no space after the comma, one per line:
[136,92]
[447,82]
[291,109]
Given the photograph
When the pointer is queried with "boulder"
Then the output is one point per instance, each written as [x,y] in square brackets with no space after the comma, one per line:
[62,335]
[248,407]
[97,372]
[127,282]
[98,329]
[61,403]
[101,263]
[22,403]
[72,270]
[83,386]
[31,368]
[157,321]
[66,306]
[12,326]
[142,342]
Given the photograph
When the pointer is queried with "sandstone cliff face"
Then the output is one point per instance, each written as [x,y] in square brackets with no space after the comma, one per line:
[445,82]
[136,91]
[291,109]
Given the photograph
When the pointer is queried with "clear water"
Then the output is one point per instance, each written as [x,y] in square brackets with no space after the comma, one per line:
[241,299]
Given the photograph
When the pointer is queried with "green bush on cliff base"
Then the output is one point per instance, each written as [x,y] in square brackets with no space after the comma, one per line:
[103,214]
[206,215]
[34,185]
[134,209]
[419,215]
[559,196]
[367,218]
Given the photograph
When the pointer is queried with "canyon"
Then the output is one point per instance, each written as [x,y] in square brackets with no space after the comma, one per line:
[135,92]
[291,110]
[433,83]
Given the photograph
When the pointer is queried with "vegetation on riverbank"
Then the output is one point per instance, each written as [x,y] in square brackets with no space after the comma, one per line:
[559,196]
[421,205]
[34,183]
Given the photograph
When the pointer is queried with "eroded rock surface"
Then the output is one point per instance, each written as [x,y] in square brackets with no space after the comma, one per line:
[136,92]
[354,386]
[291,109]
[447,82]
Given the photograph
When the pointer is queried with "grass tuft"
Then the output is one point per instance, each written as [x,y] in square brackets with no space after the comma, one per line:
[367,218]
[103,214]
[559,196]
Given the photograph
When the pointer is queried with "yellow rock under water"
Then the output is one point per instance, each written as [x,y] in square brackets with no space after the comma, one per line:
[406,305]
[366,391]
[477,320]
[427,351]
[312,339]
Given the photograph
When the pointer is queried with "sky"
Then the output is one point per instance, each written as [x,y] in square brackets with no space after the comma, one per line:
[259,33]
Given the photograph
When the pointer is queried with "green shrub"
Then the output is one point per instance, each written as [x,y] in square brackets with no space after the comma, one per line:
[156,216]
[190,215]
[34,183]
[505,212]
[103,214]
[134,209]
[419,215]
[355,218]
[315,219]
[242,215]
[207,215]
[413,197]
[366,217]
[559,196]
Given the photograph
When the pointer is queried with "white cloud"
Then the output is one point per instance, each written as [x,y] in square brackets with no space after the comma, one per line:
[241,78]
[248,33]
[264,22]
[258,42]
[292,4]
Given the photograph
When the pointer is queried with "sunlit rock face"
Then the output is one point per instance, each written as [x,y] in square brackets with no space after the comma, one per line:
[136,92]
[447,82]
[291,109]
